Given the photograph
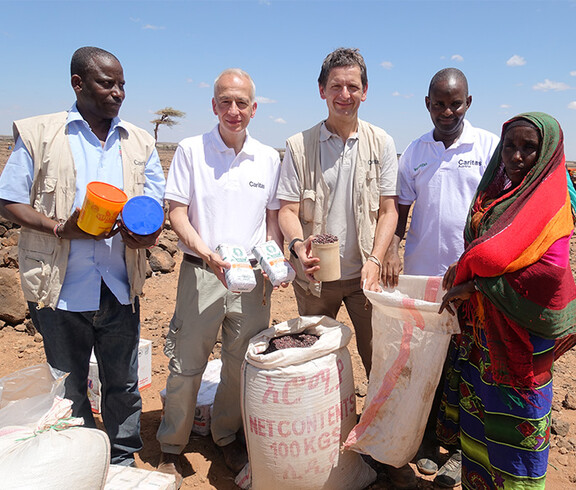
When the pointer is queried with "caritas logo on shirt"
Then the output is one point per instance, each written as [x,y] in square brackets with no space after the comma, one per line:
[469,163]
[256,184]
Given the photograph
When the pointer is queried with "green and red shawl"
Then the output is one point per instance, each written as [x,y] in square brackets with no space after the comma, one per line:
[517,251]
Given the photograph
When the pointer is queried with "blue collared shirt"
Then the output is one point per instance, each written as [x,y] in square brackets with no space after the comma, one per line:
[89,261]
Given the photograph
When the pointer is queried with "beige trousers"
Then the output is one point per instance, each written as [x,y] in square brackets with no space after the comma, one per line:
[203,304]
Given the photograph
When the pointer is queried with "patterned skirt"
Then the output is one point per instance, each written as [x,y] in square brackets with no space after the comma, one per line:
[504,432]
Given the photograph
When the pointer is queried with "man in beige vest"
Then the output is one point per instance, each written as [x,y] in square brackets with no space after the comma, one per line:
[82,290]
[339,178]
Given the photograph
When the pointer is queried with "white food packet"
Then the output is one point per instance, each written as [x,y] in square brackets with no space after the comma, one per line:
[240,277]
[274,263]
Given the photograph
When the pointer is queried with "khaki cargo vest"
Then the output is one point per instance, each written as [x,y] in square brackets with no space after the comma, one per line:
[43,257]
[314,193]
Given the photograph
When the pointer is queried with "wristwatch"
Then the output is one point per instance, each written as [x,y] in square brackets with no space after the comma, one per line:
[291,246]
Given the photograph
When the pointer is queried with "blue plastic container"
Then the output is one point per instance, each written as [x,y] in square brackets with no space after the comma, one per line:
[142,215]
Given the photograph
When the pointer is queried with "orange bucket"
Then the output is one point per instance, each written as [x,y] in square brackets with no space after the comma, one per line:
[102,204]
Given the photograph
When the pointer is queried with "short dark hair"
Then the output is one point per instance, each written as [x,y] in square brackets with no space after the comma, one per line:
[343,57]
[83,58]
[448,74]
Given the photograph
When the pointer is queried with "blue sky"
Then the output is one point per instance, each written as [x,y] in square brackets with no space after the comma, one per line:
[518,56]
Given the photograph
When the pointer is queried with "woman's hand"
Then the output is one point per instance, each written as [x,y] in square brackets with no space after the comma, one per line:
[456,295]
[449,276]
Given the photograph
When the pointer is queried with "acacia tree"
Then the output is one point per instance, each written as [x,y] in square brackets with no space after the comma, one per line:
[166,117]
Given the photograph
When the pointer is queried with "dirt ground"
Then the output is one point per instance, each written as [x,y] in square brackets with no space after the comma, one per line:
[203,464]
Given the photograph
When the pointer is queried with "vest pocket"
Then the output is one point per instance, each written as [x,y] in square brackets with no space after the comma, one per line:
[308,205]
[373,194]
[45,199]
[139,180]
[37,245]
[36,257]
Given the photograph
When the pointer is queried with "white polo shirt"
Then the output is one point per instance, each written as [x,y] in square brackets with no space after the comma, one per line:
[441,183]
[227,194]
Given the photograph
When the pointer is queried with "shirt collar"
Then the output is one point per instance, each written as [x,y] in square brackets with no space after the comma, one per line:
[248,148]
[326,134]
[74,115]
[467,136]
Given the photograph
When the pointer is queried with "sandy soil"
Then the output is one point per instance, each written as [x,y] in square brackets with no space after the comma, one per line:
[203,465]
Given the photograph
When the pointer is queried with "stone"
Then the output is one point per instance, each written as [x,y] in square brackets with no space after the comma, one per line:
[361,389]
[6,223]
[9,257]
[13,307]
[563,459]
[560,427]
[564,443]
[569,401]
[169,245]
[10,238]
[161,261]
[170,235]
[30,328]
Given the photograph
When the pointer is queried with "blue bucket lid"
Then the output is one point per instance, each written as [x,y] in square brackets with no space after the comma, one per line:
[142,215]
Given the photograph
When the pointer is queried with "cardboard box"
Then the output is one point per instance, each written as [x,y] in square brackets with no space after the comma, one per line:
[144,364]
[205,399]
[144,374]
[127,478]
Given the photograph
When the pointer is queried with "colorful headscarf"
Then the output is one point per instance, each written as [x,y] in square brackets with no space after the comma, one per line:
[517,251]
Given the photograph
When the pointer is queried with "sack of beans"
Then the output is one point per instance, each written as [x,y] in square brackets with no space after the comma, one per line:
[298,406]
[41,444]
[273,262]
[240,277]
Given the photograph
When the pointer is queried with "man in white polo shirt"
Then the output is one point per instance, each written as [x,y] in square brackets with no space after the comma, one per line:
[439,173]
[221,189]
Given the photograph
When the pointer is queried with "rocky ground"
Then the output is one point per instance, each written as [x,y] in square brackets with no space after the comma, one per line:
[21,346]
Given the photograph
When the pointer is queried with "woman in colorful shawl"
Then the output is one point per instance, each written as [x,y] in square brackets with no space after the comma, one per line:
[515,297]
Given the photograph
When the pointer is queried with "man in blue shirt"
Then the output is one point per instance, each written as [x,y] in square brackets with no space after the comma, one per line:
[82,290]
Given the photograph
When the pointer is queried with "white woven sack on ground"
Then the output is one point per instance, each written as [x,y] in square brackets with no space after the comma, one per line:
[298,406]
[74,458]
[410,342]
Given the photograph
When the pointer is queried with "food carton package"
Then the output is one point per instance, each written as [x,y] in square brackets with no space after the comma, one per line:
[205,399]
[273,262]
[127,478]
[144,374]
[240,277]
[94,385]
[144,364]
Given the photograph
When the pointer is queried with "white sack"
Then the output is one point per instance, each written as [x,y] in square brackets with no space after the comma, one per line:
[75,458]
[298,406]
[410,342]
[27,395]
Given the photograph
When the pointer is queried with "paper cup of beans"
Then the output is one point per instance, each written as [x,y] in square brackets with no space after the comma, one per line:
[327,248]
